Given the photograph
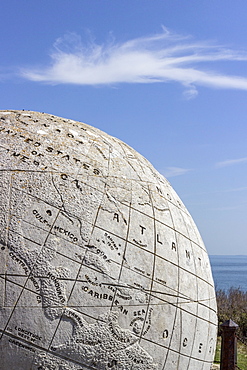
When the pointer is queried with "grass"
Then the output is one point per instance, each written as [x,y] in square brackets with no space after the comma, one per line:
[217,352]
[242,354]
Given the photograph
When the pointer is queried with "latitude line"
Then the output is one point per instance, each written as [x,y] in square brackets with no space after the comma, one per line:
[70,175]
[187,299]
[161,257]
[61,356]
[81,246]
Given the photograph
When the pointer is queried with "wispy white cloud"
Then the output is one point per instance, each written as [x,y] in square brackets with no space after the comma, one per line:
[174,171]
[164,57]
[231,162]
[190,93]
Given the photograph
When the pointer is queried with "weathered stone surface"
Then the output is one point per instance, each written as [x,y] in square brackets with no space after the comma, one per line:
[101,264]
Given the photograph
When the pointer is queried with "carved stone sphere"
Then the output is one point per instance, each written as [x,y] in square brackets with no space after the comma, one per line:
[102,266]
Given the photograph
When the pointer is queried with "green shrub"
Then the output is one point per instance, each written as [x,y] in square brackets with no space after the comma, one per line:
[232,304]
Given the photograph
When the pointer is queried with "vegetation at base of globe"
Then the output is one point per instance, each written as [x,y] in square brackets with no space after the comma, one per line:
[241,354]
[217,351]
[232,304]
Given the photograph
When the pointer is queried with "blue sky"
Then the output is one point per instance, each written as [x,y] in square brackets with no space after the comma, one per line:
[168,77]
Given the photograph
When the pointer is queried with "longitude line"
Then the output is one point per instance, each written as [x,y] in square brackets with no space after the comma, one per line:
[125,246]
[24,286]
[7,231]
[154,261]
[78,273]
[176,311]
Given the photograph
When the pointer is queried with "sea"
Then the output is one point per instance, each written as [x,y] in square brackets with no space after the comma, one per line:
[229,272]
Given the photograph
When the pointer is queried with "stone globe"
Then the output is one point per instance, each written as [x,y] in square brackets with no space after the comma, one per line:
[102,266]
